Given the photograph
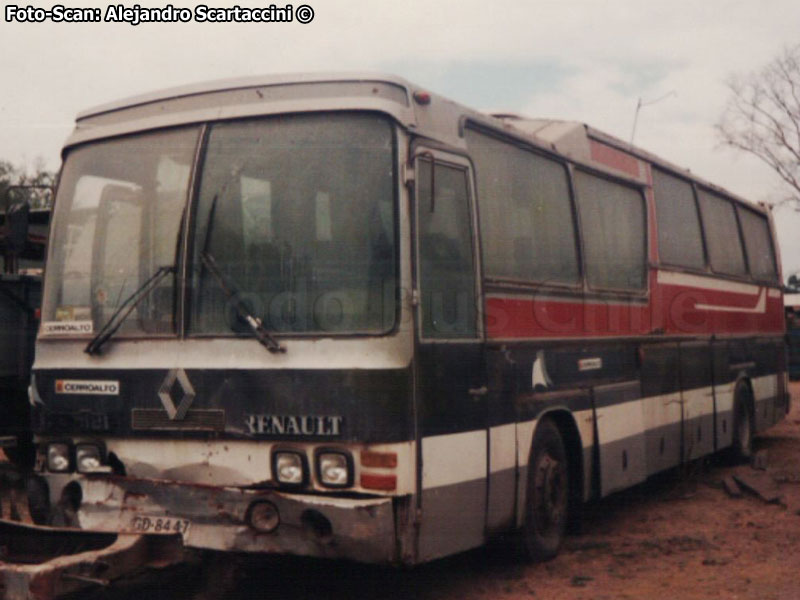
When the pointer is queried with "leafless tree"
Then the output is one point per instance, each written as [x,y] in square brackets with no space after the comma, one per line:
[762,118]
[31,185]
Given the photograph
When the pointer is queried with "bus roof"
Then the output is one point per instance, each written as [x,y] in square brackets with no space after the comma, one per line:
[439,119]
[239,83]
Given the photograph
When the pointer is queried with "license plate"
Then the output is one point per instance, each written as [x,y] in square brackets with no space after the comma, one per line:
[153,524]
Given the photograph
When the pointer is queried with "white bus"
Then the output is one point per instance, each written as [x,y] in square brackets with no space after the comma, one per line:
[340,316]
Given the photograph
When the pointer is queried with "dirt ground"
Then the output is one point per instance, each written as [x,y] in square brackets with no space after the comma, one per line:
[678,536]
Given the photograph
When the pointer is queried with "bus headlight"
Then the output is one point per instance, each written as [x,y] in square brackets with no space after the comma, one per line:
[289,467]
[58,458]
[334,469]
[88,459]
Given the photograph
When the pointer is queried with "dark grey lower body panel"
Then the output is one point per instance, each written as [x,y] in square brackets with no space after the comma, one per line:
[453,519]
[724,429]
[501,514]
[622,464]
[663,447]
[698,439]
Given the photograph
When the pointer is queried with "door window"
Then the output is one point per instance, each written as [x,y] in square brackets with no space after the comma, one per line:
[446,256]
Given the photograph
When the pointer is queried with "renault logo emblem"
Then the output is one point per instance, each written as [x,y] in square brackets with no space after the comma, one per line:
[176,389]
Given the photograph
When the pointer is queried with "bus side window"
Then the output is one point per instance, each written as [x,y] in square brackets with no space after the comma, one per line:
[614,233]
[527,224]
[722,234]
[758,243]
[680,239]
[446,265]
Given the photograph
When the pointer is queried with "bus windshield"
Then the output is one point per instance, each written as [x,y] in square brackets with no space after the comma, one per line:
[297,213]
[117,223]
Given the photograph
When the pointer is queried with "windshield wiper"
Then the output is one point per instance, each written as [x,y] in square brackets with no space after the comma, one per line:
[256,326]
[131,302]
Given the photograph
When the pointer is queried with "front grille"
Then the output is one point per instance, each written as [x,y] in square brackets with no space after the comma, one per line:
[195,420]
[76,422]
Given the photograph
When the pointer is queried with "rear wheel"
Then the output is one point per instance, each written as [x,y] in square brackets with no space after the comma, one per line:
[547,499]
[742,447]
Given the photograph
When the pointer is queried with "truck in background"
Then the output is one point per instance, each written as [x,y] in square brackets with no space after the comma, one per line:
[23,238]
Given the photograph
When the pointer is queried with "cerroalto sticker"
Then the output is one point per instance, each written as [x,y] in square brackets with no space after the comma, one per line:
[590,364]
[67,327]
[84,386]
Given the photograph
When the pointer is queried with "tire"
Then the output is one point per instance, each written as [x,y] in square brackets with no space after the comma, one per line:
[547,497]
[742,446]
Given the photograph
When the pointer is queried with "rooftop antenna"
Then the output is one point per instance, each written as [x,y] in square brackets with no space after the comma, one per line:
[640,105]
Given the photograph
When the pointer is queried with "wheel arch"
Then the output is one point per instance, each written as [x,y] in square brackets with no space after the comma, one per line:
[564,420]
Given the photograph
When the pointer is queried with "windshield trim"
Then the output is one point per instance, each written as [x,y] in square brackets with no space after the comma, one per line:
[183,312]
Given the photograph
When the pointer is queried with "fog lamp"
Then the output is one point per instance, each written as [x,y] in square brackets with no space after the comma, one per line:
[58,458]
[263,516]
[333,469]
[288,468]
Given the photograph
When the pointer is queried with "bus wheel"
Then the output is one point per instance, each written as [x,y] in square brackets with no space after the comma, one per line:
[742,447]
[547,499]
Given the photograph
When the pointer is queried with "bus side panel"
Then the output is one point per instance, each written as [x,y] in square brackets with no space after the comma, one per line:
[769,408]
[561,378]
[662,406]
[698,399]
[621,435]
[724,381]
[503,440]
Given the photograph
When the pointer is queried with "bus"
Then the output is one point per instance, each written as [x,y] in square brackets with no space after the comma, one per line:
[341,316]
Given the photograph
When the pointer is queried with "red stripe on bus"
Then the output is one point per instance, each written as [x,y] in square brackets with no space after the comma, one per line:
[614,158]
[671,310]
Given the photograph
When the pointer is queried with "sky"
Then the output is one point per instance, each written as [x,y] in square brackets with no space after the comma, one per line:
[582,60]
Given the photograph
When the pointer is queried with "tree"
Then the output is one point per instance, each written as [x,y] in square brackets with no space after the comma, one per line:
[762,118]
[36,184]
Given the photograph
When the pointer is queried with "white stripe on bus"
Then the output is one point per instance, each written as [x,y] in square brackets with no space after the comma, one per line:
[706,283]
[502,447]
[620,421]
[760,307]
[453,458]
[765,386]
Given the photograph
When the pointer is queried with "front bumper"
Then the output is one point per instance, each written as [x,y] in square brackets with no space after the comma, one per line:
[361,529]
[42,563]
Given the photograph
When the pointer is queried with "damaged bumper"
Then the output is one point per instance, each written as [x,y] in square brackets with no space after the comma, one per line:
[42,563]
[220,518]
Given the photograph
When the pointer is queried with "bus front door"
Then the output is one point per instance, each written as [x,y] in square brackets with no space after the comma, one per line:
[451,380]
